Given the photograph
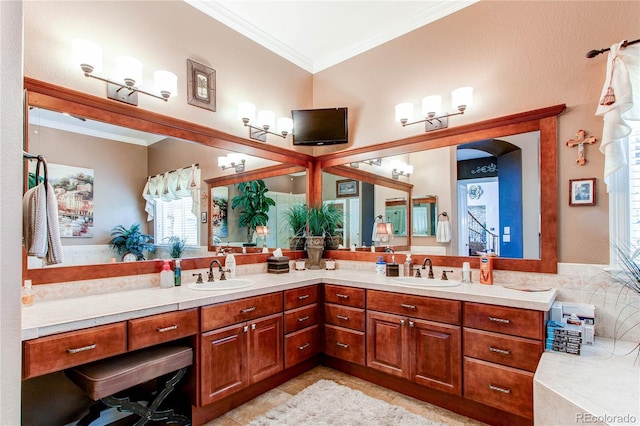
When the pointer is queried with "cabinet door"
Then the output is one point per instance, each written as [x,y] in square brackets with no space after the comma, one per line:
[387,347]
[435,355]
[223,355]
[265,347]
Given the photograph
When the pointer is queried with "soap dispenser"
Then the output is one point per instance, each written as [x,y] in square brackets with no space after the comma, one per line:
[230,265]
[406,269]
[380,266]
[166,276]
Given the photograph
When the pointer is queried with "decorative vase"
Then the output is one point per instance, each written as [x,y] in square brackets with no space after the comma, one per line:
[296,243]
[315,247]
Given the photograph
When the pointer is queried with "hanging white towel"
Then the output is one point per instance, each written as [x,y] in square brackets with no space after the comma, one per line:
[623,105]
[40,224]
[443,233]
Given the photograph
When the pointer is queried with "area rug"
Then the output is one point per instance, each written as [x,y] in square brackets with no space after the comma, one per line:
[326,403]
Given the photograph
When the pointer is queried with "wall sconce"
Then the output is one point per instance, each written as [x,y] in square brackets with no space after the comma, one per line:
[461,99]
[128,74]
[374,162]
[247,113]
[234,160]
[401,169]
[262,231]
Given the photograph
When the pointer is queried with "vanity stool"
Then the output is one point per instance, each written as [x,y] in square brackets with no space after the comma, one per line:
[101,380]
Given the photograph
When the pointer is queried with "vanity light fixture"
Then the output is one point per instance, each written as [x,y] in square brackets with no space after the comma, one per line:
[262,231]
[128,74]
[401,169]
[232,160]
[374,162]
[247,113]
[461,99]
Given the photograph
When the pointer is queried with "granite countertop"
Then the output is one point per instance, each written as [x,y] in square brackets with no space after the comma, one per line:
[50,317]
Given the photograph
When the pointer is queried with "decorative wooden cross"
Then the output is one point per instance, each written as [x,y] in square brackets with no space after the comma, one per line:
[579,141]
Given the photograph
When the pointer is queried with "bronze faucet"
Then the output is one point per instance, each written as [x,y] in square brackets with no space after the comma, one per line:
[430,274]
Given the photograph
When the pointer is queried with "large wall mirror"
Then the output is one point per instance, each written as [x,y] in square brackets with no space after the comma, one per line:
[495,183]
[116,149]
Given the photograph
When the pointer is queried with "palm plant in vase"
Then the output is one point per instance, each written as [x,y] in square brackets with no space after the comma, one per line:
[321,219]
[131,243]
[176,246]
[254,205]
[296,220]
[629,279]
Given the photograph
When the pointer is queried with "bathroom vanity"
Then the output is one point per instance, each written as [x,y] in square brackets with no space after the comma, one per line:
[469,348]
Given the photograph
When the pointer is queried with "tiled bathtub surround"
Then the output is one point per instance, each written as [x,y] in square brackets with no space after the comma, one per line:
[617,309]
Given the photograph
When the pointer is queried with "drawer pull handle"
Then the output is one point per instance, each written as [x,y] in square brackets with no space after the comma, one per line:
[500,351]
[253,326]
[342,345]
[304,296]
[504,321]
[164,329]
[305,346]
[342,317]
[303,318]
[402,322]
[404,305]
[247,310]
[245,328]
[499,389]
[342,296]
[82,349]
[412,324]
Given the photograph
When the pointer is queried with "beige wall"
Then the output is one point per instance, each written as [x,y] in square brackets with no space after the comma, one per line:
[10,214]
[518,56]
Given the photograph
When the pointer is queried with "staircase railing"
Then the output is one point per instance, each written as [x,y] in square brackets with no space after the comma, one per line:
[480,238]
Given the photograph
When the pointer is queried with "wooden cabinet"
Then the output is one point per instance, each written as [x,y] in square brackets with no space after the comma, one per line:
[300,324]
[160,328]
[502,348]
[344,323]
[58,352]
[425,352]
[234,356]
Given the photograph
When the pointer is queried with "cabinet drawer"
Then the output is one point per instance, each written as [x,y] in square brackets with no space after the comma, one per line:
[55,353]
[300,296]
[155,329]
[422,307]
[501,319]
[502,387]
[506,350]
[348,296]
[300,318]
[344,316]
[344,344]
[300,345]
[228,313]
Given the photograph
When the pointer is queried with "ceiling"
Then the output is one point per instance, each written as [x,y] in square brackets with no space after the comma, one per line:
[315,35]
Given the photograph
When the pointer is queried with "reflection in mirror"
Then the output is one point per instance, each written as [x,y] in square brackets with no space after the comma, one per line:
[362,208]
[121,161]
[395,213]
[424,214]
[480,185]
[286,191]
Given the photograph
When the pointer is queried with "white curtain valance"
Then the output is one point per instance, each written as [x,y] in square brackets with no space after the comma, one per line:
[618,103]
[173,185]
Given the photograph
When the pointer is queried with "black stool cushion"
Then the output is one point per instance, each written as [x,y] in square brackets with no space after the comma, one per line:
[109,376]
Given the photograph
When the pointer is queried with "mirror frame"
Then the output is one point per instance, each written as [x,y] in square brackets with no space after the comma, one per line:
[56,98]
[544,120]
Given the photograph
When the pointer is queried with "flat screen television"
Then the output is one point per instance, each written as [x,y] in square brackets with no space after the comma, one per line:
[325,126]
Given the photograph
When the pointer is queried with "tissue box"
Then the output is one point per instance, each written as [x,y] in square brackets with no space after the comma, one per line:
[277,264]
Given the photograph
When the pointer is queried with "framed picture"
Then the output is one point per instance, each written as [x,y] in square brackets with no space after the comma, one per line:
[582,192]
[347,188]
[201,85]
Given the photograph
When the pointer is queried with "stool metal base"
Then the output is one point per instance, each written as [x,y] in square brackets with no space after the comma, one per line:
[146,413]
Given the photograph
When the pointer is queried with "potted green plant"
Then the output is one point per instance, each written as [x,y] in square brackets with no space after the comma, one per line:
[131,243]
[176,246]
[254,205]
[296,220]
[321,219]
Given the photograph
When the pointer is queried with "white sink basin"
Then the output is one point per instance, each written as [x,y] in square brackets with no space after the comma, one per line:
[425,282]
[228,284]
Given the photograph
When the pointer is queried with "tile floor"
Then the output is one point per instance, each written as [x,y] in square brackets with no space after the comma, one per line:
[260,405]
